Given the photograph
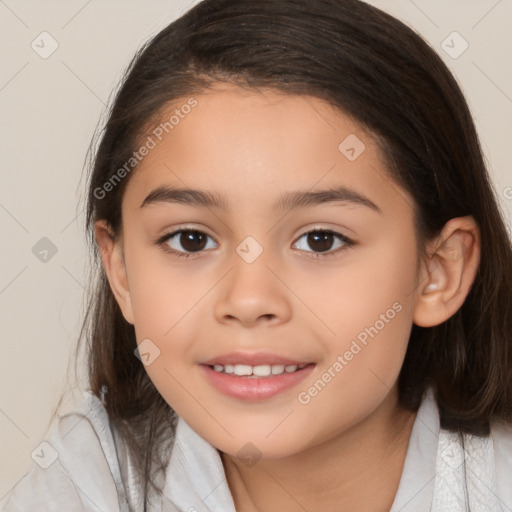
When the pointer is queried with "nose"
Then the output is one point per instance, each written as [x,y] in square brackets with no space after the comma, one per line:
[253,294]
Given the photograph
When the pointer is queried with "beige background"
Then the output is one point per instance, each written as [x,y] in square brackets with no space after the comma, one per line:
[50,108]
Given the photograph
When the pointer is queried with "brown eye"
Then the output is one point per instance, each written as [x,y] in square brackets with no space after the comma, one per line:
[320,241]
[192,241]
[323,241]
[186,241]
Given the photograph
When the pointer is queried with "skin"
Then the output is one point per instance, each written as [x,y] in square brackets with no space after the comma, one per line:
[345,448]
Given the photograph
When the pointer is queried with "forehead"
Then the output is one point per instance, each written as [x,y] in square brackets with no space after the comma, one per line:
[244,145]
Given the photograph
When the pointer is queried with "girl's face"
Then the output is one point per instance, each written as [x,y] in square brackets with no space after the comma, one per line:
[307,255]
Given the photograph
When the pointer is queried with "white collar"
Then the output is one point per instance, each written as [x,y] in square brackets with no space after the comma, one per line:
[195,475]
[416,487]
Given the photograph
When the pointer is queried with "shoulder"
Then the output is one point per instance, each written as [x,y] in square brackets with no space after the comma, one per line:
[474,471]
[75,467]
[501,435]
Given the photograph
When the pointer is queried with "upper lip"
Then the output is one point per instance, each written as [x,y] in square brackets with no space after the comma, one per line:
[254,359]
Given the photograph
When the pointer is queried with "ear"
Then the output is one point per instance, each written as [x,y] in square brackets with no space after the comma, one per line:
[448,272]
[113,262]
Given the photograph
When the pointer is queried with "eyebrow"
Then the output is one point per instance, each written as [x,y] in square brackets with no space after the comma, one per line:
[288,201]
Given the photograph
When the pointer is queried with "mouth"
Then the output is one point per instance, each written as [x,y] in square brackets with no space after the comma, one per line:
[268,376]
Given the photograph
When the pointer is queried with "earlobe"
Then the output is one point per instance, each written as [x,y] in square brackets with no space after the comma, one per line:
[448,272]
[114,266]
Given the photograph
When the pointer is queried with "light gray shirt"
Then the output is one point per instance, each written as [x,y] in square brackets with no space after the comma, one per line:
[79,467]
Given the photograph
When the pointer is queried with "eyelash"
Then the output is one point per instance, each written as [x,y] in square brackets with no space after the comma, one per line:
[162,242]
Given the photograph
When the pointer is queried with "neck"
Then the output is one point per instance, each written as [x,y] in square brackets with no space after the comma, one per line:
[358,469]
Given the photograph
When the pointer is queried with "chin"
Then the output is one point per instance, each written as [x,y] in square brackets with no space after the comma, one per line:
[250,452]
[262,441]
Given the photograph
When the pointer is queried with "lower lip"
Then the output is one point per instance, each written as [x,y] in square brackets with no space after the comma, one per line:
[255,388]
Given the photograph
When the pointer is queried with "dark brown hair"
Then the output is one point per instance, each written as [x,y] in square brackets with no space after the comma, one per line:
[377,70]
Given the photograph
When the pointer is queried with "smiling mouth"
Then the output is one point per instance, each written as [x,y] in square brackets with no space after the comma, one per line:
[257,382]
[259,371]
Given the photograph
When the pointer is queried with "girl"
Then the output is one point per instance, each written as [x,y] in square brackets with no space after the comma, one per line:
[304,300]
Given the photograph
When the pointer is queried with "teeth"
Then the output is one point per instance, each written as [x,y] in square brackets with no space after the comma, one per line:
[263,370]
[243,369]
[277,369]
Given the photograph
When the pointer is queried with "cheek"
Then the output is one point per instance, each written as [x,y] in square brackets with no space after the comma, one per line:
[365,288]
[372,319]
[368,307]
[164,300]
[162,294]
